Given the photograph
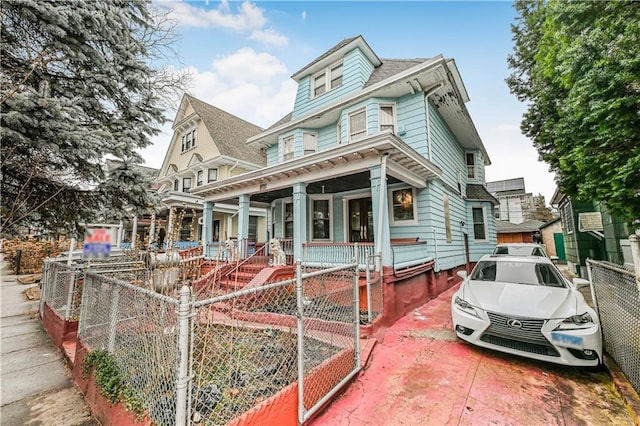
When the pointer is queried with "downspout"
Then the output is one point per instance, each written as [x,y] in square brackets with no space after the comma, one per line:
[436,268]
[383,192]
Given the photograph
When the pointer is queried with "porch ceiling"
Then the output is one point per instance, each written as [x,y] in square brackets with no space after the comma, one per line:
[339,169]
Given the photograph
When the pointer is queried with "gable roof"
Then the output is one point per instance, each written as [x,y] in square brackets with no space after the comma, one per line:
[477,192]
[229,132]
[352,42]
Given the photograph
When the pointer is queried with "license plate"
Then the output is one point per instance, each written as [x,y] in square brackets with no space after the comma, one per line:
[567,340]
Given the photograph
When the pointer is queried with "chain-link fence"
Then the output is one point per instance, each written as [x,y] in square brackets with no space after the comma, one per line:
[616,293]
[209,361]
[139,330]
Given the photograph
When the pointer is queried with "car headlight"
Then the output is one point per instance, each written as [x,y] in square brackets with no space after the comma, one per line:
[575,321]
[465,306]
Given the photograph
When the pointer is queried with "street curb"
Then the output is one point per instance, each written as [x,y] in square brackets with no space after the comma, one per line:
[628,393]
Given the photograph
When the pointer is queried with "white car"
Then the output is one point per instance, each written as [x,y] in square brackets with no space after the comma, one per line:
[522,249]
[524,306]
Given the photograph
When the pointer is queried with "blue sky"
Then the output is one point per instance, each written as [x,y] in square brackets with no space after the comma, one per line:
[242,54]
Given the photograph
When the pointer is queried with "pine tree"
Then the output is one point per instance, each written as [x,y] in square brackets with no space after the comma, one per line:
[78,87]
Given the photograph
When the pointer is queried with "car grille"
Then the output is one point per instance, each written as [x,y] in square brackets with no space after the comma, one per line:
[528,338]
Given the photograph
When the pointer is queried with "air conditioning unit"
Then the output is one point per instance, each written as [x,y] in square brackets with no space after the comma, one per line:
[201,221]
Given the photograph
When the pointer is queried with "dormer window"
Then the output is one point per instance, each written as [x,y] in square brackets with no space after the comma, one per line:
[188,140]
[186,184]
[199,180]
[287,148]
[176,184]
[326,80]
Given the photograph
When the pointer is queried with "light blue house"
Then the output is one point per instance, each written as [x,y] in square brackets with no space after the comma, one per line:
[382,152]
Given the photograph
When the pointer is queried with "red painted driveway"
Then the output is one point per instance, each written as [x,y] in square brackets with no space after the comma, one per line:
[421,374]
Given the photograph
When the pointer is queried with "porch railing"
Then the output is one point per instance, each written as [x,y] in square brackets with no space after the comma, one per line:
[321,255]
[408,254]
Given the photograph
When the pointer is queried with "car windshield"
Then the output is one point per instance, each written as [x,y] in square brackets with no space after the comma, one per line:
[519,250]
[528,273]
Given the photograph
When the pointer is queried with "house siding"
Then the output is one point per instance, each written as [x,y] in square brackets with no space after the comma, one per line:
[356,70]
[447,153]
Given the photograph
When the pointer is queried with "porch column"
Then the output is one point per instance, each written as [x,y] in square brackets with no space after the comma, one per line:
[299,218]
[172,214]
[152,229]
[268,219]
[207,225]
[380,206]
[134,232]
[243,224]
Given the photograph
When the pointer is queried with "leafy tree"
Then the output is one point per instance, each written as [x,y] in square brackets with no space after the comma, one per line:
[79,87]
[577,65]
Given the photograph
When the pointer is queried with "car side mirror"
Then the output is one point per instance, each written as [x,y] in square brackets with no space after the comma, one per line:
[580,282]
[462,274]
[554,258]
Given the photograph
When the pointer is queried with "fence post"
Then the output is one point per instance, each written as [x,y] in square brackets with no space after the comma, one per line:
[356,307]
[183,380]
[368,273]
[300,322]
[71,289]
[113,319]
[634,241]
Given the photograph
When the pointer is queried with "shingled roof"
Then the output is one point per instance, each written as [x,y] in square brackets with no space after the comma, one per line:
[391,67]
[229,133]
[477,192]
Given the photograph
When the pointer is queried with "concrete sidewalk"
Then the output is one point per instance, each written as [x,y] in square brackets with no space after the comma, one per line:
[421,374]
[35,381]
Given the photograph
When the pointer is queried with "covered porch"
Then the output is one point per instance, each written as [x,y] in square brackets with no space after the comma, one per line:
[320,205]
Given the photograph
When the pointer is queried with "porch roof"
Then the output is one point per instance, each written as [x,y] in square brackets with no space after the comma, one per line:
[339,169]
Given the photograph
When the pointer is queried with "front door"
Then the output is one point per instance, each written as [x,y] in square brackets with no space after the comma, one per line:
[360,220]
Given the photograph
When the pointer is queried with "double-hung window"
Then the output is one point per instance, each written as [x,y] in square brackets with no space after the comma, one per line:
[479,224]
[288,220]
[287,148]
[212,175]
[326,80]
[186,184]
[357,125]
[310,142]
[471,165]
[188,140]
[386,118]
[176,184]
[199,180]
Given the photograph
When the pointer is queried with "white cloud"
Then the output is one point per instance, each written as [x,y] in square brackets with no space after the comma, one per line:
[251,85]
[269,37]
[249,19]
[304,15]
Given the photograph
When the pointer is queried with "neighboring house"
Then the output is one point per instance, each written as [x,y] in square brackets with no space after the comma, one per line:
[553,239]
[517,232]
[516,205]
[208,146]
[591,232]
[380,152]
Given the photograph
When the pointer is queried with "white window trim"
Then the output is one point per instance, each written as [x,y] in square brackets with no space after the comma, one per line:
[284,145]
[313,198]
[392,221]
[366,127]
[394,115]
[286,201]
[485,223]
[327,79]
[192,132]
[475,165]
[209,175]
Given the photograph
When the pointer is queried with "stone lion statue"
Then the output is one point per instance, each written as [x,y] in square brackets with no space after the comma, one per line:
[279,256]
[232,250]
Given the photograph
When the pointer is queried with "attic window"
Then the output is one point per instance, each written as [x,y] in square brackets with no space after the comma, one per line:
[471,165]
[326,80]
[188,140]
